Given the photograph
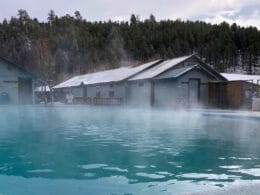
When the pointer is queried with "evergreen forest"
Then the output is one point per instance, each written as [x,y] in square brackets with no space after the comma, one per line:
[61,47]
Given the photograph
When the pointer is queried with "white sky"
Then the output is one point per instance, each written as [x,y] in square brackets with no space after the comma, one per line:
[243,12]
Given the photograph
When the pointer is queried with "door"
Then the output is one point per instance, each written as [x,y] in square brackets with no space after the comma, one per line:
[25,90]
[194,92]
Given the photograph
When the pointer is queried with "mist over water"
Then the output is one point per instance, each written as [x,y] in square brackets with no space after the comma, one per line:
[106,150]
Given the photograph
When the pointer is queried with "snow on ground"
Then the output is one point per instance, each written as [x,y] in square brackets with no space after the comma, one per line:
[42,89]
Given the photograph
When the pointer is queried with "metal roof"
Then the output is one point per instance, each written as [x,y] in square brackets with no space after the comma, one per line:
[113,75]
[17,66]
[178,72]
[241,77]
[160,68]
[145,71]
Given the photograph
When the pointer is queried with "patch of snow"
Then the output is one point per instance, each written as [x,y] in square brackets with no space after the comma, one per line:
[241,77]
[45,88]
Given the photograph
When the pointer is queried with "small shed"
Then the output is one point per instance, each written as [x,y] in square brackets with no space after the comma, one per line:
[16,84]
[232,94]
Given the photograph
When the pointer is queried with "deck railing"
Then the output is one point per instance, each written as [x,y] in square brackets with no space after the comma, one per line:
[107,101]
[97,101]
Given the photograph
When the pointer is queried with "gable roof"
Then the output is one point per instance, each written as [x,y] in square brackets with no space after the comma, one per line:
[113,75]
[145,71]
[22,69]
[163,67]
[160,68]
[210,69]
[175,73]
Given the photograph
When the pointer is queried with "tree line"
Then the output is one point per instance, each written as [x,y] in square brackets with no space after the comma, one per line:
[70,45]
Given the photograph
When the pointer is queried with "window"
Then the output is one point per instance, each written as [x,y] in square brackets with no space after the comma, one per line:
[111,85]
[141,84]
[98,94]
[111,94]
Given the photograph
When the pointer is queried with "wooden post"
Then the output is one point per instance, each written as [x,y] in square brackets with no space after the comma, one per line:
[33,92]
[152,94]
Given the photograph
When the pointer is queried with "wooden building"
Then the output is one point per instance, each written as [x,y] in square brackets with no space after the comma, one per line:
[104,87]
[236,94]
[178,82]
[16,84]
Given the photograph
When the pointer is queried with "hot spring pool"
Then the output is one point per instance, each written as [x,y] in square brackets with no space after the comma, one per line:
[94,150]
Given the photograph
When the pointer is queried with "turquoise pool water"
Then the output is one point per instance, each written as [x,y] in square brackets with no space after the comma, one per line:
[94,150]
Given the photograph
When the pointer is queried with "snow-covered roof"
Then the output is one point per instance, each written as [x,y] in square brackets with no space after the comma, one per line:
[178,72]
[42,89]
[160,68]
[241,77]
[113,75]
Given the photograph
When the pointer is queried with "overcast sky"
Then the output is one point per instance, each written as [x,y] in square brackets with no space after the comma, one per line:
[243,12]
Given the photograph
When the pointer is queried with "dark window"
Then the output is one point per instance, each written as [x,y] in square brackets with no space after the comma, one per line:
[111,94]
[98,94]
[111,85]
[141,84]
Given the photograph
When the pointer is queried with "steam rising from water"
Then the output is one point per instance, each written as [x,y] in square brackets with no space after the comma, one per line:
[124,150]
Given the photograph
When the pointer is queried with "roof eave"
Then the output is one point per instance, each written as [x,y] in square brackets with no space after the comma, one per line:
[212,69]
[19,67]
[188,57]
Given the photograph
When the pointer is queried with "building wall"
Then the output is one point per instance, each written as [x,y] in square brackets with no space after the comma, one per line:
[139,93]
[9,80]
[175,92]
[105,89]
[78,92]
[204,79]
[166,93]
[9,85]
[172,93]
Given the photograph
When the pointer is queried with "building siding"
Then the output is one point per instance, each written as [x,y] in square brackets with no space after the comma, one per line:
[9,80]
[175,92]
[203,90]
[105,89]
[139,93]
[171,84]
[166,93]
